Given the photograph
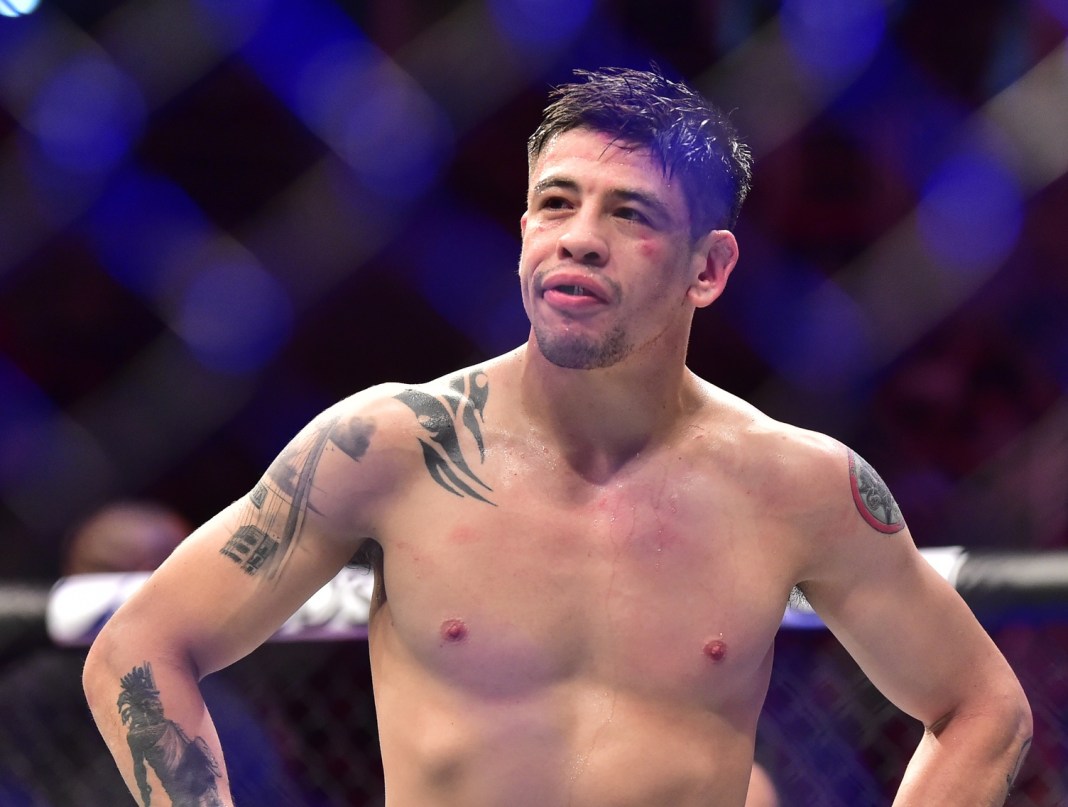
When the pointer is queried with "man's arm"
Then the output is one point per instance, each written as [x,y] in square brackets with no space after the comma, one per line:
[917,641]
[224,592]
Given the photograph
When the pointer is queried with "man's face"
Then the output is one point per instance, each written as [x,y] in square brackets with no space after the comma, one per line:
[607,257]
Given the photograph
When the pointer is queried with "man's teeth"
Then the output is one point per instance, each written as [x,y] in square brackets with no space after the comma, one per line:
[576,291]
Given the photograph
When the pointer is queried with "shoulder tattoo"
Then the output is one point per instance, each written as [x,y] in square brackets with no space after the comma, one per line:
[186,768]
[462,406]
[281,499]
[872,497]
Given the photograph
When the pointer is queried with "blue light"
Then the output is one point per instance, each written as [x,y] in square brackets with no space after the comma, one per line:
[971,212]
[138,226]
[1059,9]
[540,21]
[25,408]
[236,20]
[87,116]
[377,118]
[383,125]
[292,36]
[836,38]
[465,268]
[18,8]
[801,323]
[234,316]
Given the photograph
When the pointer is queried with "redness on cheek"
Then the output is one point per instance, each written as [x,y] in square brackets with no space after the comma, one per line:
[453,630]
[715,649]
[649,250]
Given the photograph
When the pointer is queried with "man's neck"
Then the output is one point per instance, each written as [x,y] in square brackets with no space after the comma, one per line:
[599,420]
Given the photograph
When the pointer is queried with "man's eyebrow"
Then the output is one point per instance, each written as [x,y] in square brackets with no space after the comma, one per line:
[563,183]
[641,197]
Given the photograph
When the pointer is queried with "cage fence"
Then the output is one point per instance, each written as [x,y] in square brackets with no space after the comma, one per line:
[297,723]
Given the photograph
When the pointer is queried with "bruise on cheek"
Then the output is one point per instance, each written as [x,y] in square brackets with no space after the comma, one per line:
[453,630]
[650,250]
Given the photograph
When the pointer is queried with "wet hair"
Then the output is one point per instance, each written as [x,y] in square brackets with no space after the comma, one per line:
[690,138]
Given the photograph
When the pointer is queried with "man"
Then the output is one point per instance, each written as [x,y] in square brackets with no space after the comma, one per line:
[583,551]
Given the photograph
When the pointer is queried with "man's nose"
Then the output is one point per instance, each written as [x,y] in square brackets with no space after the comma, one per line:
[581,241]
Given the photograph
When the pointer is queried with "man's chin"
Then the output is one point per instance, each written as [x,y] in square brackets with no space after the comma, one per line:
[570,353]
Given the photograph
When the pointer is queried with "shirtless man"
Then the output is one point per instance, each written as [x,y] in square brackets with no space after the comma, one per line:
[583,551]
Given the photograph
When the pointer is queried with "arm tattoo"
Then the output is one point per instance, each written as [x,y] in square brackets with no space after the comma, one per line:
[872,497]
[282,497]
[463,403]
[186,768]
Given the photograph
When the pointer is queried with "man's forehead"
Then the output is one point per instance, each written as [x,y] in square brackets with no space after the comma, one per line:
[569,151]
[596,145]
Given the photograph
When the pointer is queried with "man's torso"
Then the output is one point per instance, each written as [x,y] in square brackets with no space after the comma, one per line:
[568,637]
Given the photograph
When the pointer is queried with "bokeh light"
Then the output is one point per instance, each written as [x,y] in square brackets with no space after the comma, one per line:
[137,227]
[234,316]
[834,38]
[86,117]
[376,118]
[18,8]
[533,22]
[971,210]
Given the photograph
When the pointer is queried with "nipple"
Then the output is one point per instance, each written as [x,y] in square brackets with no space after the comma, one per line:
[453,630]
[716,649]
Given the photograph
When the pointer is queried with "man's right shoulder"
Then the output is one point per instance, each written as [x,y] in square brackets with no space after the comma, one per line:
[393,425]
[396,411]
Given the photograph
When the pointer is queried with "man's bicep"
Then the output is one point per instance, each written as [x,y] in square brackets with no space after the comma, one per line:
[238,577]
[205,605]
[909,631]
[901,621]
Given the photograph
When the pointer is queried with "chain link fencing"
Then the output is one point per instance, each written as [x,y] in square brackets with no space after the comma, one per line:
[297,723]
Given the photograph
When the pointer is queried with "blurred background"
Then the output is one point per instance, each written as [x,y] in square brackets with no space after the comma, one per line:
[217,217]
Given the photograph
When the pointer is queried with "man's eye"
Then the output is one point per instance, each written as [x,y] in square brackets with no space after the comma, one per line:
[554,203]
[630,214]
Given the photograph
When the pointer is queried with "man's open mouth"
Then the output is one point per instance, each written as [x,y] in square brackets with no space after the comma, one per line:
[574,291]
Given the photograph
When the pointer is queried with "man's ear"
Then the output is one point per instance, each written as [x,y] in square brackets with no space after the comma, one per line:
[523,225]
[715,256]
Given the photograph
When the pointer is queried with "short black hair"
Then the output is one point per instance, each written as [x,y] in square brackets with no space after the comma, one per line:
[691,138]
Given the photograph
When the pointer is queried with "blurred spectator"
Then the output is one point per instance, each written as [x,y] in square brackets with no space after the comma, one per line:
[130,536]
[51,754]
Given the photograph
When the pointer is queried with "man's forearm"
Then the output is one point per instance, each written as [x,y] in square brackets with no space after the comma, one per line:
[157,727]
[967,761]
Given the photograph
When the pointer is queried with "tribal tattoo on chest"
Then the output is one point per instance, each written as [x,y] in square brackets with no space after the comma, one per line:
[278,505]
[461,408]
[872,497]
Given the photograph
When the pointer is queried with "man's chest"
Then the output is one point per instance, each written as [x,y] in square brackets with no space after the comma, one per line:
[656,582]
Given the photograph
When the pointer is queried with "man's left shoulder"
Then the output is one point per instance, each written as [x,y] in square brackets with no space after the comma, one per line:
[792,468]
[787,453]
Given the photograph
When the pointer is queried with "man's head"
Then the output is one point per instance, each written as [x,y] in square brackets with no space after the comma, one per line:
[692,140]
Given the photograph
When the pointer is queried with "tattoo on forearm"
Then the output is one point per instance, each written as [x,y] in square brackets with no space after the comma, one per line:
[186,768]
[282,498]
[1010,780]
[872,497]
[445,462]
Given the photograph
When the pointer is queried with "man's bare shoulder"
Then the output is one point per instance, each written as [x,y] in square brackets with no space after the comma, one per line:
[782,451]
[387,409]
